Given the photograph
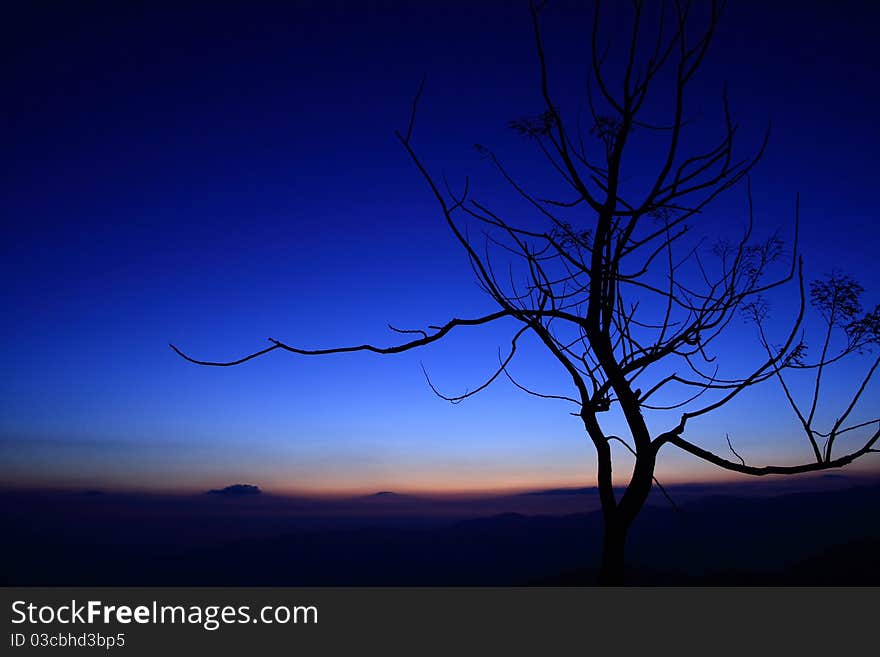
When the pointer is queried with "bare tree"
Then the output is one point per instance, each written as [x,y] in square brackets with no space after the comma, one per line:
[623,294]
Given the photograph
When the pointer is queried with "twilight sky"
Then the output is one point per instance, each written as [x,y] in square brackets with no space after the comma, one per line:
[214,176]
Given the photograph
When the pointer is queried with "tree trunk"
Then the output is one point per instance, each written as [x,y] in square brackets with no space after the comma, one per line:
[619,519]
[619,515]
[613,554]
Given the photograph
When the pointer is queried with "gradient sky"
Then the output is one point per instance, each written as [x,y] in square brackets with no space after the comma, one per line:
[213,176]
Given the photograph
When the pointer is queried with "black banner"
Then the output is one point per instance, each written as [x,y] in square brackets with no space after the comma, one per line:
[414,621]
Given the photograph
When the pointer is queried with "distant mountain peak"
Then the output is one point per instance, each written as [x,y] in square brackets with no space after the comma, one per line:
[236,490]
[387,495]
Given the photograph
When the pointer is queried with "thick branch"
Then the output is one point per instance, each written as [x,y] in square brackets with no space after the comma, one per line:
[760,471]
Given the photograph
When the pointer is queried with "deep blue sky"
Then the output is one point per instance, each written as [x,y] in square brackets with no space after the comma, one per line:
[214,176]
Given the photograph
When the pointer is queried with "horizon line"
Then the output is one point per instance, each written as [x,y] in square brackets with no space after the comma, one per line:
[350,493]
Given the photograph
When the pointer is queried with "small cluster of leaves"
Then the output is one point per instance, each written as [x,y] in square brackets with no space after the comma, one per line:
[535,126]
[796,356]
[606,128]
[756,257]
[572,238]
[661,214]
[756,310]
[865,331]
[752,260]
[838,298]
[721,249]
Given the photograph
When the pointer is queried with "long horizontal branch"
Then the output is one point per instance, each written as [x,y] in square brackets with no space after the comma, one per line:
[394,349]
[760,471]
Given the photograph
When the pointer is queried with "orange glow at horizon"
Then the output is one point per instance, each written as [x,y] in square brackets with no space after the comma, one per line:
[502,483]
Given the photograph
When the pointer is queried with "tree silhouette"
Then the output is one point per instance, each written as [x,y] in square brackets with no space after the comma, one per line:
[621,291]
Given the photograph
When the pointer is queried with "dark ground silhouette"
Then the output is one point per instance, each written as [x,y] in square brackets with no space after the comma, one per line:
[720,534]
